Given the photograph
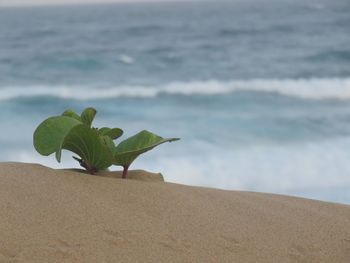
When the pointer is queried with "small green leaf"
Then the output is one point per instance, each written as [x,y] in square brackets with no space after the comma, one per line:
[87,116]
[128,150]
[71,113]
[114,133]
[103,130]
[86,143]
[49,135]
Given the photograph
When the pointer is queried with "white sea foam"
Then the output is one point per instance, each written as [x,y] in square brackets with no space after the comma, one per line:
[318,89]
[126,59]
[269,168]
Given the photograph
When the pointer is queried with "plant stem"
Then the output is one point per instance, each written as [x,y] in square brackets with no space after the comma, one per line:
[90,169]
[125,171]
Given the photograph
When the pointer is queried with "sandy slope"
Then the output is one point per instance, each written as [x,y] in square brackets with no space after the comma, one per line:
[64,216]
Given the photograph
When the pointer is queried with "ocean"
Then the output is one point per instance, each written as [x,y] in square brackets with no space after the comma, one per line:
[258,91]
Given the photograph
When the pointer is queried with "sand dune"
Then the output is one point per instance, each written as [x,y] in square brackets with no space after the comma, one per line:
[65,216]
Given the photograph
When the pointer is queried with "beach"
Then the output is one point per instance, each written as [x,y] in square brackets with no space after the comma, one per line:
[50,215]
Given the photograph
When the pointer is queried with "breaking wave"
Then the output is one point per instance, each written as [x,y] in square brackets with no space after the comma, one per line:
[315,89]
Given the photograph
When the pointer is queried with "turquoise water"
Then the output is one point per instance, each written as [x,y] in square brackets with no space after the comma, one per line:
[259,91]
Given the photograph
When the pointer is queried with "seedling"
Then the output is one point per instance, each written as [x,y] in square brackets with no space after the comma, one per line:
[95,147]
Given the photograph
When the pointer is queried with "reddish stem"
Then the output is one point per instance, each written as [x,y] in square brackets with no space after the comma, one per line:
[92,170]
[125,171]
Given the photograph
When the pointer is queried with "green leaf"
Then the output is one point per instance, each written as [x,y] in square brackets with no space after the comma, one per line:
[103,130]
[107,141]
[128,150]
[86,143]
[87,116]
[49,135]
[114,133]
[72,114]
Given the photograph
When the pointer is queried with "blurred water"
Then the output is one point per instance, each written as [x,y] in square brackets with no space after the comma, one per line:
[258,91]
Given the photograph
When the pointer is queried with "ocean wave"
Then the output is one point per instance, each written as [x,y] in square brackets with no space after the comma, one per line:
[336,55]
[313,89]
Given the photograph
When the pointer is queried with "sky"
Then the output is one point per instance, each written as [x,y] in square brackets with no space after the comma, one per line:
[49,2]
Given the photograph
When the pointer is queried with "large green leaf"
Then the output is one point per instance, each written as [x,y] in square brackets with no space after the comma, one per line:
[87,116]
[88,144]
[128,150]
[49,135]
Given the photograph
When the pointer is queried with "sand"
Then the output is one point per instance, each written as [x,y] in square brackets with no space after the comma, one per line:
[66,216]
